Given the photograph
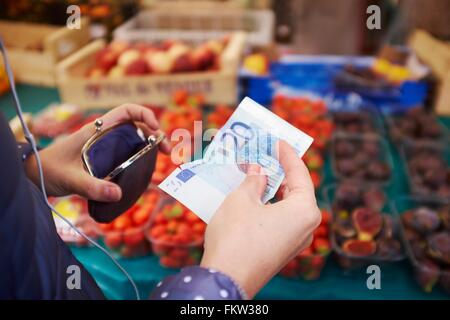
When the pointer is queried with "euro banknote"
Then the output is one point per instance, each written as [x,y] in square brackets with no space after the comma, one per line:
[249,136]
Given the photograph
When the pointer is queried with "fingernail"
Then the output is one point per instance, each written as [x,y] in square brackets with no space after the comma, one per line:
[253,169]
[112,193]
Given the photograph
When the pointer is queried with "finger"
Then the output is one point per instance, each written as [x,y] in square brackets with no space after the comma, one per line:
[133,112]
[296,173]
[255,182]
[96,189]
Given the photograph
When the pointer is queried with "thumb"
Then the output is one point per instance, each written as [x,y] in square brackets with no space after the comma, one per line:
[97,189]
[255,182]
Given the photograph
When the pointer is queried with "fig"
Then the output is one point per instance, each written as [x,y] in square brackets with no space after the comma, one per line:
[389,248]
[439,246]
[419,249]
[412,235]
[378,170]
[343,225]
[387,230]
[427,274]
[371,148]
[374,198]
[346,166]
[425,220]
[344,148]
[368,222]
[359,248]
[348,196]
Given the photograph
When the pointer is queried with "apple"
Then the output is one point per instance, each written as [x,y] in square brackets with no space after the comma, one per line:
[137,67]
[216,46]
[128,57]
[159,61]
[106,58]
[203,58]
[116,72]
[177,50]
[183,63]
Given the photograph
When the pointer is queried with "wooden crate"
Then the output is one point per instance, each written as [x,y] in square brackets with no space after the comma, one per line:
[198,25]
[35,49]
[206,4]
[217,86]
[433,52]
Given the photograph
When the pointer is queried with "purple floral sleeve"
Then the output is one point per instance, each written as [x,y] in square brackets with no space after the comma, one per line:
[196,283]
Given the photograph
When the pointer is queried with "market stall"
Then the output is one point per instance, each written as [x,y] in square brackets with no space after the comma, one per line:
[379,161]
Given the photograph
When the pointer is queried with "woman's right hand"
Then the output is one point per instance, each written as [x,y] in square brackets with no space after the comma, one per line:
[251,241]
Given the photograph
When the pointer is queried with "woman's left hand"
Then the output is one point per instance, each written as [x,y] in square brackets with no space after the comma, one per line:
[62,165]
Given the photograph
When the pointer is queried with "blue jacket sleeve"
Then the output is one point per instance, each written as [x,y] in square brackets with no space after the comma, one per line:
[34,260]
[197,283]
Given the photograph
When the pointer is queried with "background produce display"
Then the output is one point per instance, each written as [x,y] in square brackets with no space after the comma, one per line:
[125,234]
[361,158]
[426,228]
[428,169]
[308,263]
[120,58]
[176,235]
[364,229]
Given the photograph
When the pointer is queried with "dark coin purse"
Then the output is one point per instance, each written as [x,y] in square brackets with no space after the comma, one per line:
[120,154]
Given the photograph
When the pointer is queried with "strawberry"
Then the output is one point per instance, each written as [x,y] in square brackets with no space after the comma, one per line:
[113,239]
[321,232]
[326,217]
[321,246]
[133,236]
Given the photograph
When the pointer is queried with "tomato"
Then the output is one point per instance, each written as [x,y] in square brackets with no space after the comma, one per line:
[160,218]
[122,222]
[133,236]
[321,245]
[184,228]
[326,217]
[172,226]
[317,261]
[113,239]
[180,96]
[106,226]
[306,252]
[141,216]
[169,262]
[160,249]
[192,217]
[321,232]
[157,231]
[179,253]
[182,238]
[199,227]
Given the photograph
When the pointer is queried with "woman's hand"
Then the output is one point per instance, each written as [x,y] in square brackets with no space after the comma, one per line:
[62,165]
[250,241]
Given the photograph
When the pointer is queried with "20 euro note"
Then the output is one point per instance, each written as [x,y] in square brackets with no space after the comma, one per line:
[249,136]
